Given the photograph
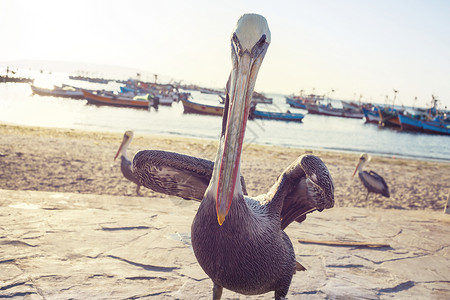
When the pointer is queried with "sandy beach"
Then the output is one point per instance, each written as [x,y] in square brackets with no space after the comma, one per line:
[64,160]
[71,227]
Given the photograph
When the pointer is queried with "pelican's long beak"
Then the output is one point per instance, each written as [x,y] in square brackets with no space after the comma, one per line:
[356,169]
[122,145]
[249,41]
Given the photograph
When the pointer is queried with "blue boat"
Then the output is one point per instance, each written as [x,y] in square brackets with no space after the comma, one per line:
[372,115]
[410,123]
[295,103]
[436,127]
[126,89]
[419,124]
[269,115]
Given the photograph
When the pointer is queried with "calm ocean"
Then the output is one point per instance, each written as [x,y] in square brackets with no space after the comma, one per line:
[19,106]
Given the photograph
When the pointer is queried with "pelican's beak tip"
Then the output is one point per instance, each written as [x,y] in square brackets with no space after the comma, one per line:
[220,218]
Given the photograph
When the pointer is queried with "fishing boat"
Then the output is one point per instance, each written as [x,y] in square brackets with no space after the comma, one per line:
[210,91]
[66,92]
[261,98]
[349,105]
[371,115]
[115,100]
[352,114]
[199,108]
[295,103]
[126,89]
[325,110]
[302,101]
[164,92]
[410,123]
[205,109]
[422,121]
[164,99]
[438,127]
[90,79]
[389,117]
[438,121]
[256,98]
[16,79]
[13,79]
[269,115]
[167,98]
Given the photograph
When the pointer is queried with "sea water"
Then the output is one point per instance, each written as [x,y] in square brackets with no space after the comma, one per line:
[19,106]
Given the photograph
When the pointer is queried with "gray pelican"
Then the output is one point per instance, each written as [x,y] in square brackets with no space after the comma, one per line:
[125,164]
[238,240]
[373,182]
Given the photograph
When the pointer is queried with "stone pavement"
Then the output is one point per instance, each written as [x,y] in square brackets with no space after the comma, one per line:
[78,246]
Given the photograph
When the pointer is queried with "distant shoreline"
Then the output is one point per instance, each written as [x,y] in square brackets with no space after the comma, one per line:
[204,139]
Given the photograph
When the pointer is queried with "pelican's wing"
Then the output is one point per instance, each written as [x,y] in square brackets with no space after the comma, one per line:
[306,185]
[374,183]
[173,173]
[375,175]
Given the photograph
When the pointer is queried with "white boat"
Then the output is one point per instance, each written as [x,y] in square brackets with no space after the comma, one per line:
[67,92]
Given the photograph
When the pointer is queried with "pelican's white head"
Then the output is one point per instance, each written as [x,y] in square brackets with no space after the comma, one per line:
[127,137]
[363,159]
[249,30]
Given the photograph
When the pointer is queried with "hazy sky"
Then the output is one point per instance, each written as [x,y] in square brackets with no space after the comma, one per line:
[355,47]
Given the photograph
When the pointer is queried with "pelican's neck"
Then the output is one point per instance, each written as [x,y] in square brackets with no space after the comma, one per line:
[123,152]
[361,165]
[123,149]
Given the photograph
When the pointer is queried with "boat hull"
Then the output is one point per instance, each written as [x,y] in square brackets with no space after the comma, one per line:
[198,108]
[257,114]
[389,118]
[335,112]
[165,100]
[56,92]
[436,127]
[16,79]
[204,109]
[115,101]
[410,124]
[371,116]
[295,103]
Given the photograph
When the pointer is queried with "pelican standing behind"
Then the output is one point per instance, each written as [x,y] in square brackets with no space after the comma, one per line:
[238,240]
[373,182]
[125,164]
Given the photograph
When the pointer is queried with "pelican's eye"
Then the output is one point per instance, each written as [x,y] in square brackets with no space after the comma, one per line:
[237,45]
[261,41]
[259,46]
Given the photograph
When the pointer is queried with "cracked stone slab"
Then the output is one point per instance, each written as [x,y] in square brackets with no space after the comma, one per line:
[75,246]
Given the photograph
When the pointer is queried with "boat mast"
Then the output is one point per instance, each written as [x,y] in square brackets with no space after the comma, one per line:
[395,97]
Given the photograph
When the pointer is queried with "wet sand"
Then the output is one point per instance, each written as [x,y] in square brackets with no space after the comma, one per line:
[64,160]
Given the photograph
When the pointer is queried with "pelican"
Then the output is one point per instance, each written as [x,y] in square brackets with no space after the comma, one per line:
[125,164]
[238,240]
[373,182]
